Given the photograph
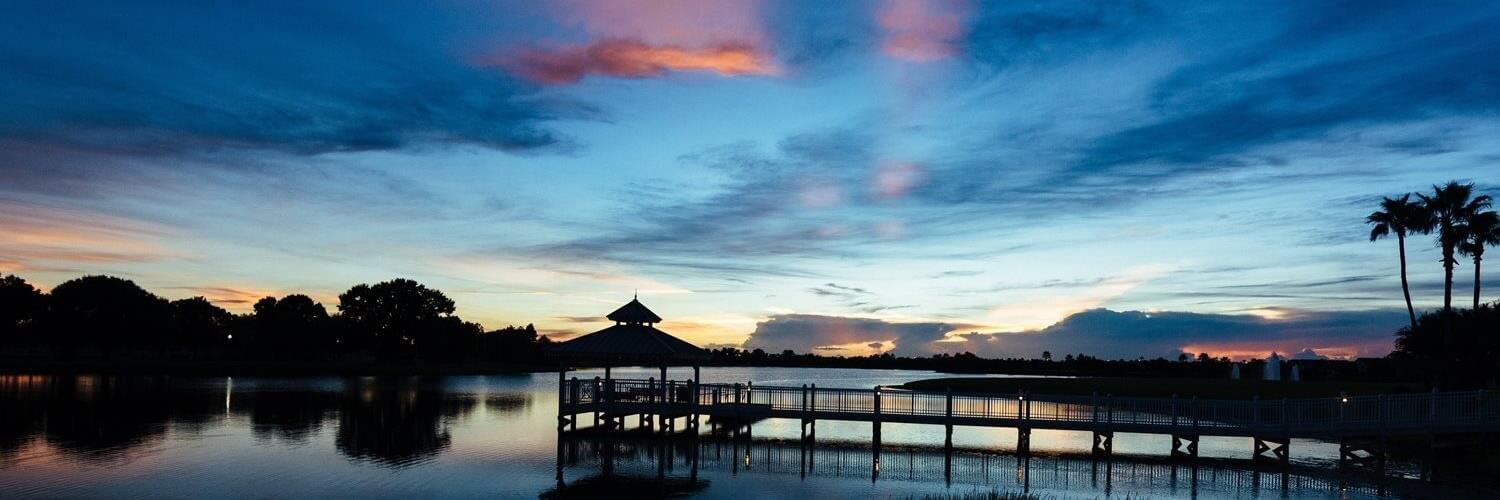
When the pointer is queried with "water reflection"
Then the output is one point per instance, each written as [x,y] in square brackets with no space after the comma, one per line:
[397,427]
[488,436]
[391,422]
[590,456]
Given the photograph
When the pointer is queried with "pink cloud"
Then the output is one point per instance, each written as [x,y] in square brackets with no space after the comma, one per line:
[689,23]
[893,180]
[635,59]
[649,39]
[921,31]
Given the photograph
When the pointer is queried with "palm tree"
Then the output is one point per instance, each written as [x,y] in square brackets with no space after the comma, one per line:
[1482,230]
[1400,216]
[1451,206]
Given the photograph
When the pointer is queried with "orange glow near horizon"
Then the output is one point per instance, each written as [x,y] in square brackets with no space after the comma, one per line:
[1247,351]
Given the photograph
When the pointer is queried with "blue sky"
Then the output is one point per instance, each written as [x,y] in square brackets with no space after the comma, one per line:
[1124,179]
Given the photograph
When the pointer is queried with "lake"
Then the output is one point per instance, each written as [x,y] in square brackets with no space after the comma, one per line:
[495,436]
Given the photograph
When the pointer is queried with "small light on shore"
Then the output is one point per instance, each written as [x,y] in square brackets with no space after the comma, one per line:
[229,337]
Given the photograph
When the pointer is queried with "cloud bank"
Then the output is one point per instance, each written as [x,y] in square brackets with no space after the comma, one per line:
[1104,333]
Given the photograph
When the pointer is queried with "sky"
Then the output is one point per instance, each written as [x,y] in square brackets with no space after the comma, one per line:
[1121,179]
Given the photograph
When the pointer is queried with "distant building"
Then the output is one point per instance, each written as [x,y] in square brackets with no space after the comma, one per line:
[1234,372]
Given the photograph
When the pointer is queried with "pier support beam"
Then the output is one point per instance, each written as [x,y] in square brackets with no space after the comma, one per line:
[1357,452]
[1023,441]
[1185,446]
[1273,449]
[1104,443]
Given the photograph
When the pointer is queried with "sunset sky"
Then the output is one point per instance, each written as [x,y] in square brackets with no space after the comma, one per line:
[1117,178]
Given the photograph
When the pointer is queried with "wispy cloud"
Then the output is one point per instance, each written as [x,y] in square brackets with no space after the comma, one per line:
[920,30]
[195,78]
[636,59]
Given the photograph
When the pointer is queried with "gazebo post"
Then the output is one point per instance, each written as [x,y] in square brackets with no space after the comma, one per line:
[666,398]
[694,424]
[562,399]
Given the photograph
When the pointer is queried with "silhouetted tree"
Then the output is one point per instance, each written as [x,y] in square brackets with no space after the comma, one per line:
[198,323]
[1400,216]
[1451,206]
[1482,230]
[106,312]
[20,306]
[513,344]
[397,314]
[293,326]
[1474,353]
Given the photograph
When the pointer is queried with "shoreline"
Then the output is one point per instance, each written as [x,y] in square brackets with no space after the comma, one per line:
[1161,387]
[221,368]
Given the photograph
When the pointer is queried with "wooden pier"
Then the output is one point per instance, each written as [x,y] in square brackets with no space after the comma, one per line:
[1361,424]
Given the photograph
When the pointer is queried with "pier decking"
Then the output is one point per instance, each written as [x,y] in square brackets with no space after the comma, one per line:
[1360,423]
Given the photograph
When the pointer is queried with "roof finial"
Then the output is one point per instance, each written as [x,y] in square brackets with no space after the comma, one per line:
[637,295]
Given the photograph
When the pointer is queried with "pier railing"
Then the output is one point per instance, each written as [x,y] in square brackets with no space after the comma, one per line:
[1344,415]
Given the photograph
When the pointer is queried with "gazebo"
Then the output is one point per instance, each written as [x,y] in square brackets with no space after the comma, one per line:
[633,340]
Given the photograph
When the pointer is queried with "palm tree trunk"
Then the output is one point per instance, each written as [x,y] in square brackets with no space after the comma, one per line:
[1447,279]
[1476,281]
[1448,284]
[1448,263]
[1405,289]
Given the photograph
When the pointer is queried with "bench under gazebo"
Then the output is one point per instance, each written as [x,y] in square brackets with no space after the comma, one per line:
[633,340]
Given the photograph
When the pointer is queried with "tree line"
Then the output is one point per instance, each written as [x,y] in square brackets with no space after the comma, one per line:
[106,316]
[1184,366]
[1457,347]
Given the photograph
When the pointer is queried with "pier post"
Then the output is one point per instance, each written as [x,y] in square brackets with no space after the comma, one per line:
[875,429]
[562,400]
[665,397]
[1023,442]
[1104,435]
[948,425]
[598,398]
[652,396]
[812,421]
[1174,412]
[803,425]
[1023,431]
[573,389]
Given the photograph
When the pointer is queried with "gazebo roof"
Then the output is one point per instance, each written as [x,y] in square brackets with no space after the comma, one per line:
[634,312]
[631,341]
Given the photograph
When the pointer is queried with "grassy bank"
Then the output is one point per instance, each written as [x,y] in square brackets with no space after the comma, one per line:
[1152,387]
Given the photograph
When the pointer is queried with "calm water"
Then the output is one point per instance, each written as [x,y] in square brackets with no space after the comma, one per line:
[494,436]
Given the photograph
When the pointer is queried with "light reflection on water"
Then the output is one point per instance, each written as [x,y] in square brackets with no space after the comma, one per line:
[468,436]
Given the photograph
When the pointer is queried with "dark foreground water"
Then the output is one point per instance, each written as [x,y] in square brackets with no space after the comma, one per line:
[495,436]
